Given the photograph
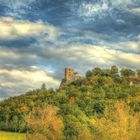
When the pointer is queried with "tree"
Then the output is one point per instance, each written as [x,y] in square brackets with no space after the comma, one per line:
[99,108]
[89,73]
[44,124]
[119,125]
[138,73]
[106,72]
[114,71]
[97,72]
[127,73]
[43,86]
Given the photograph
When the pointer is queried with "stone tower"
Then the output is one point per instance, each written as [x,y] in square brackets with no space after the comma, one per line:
[69,75]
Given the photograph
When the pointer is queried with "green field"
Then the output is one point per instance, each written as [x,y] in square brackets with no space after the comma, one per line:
[11,136]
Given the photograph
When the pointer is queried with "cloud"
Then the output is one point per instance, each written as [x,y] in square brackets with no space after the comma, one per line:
[135,10]
[93,10]
[41,38]
[13,57]
[132,46]
[16,3]
[62,53]
[120,21]
[12,28]
[90,9]
[83,56]
[16,82]
[121,3]
[16,8]
[37,64]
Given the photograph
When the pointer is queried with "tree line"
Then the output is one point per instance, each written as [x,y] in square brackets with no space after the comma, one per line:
[114,71]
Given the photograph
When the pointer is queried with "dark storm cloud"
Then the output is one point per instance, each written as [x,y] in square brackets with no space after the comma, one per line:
[114,19]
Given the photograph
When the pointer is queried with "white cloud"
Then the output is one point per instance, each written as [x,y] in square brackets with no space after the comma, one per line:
[16,79]
[135,10]
[20,81]
[127,46]
[92,9]
[29,77]
[121,21]
[121,2]
[12,28]
[90,55]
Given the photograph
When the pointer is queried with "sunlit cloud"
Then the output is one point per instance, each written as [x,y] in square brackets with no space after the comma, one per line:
[12,28]
[90,10]
[17,82]
[135,10]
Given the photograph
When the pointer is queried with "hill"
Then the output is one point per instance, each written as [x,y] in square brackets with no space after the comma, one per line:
[100,107]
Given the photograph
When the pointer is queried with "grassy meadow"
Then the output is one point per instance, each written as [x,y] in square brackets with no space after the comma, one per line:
[11,136]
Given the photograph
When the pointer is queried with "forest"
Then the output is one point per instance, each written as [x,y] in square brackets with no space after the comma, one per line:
[103,105]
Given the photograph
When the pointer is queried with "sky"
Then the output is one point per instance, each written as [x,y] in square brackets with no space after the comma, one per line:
[39,38]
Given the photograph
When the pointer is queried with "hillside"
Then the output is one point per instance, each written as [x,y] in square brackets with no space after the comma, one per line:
[100,107]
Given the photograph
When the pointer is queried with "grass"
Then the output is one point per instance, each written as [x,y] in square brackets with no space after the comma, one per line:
[11,136]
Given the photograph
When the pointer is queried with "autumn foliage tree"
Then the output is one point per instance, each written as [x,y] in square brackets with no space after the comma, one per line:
[119,125]
[44,124]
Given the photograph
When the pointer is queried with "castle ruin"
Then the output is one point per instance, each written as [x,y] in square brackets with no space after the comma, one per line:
[70,76]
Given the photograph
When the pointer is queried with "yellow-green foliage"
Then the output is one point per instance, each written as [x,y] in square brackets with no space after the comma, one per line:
[94,108]
[11,136]
[45,124]
[119,125]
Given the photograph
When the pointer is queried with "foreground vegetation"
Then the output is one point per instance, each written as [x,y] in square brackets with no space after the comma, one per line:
[11,136]
[102,106]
